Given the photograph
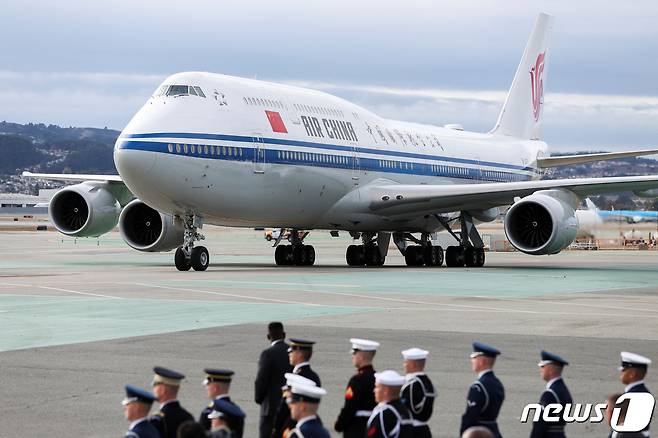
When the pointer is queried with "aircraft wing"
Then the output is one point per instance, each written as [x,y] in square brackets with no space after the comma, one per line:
[400,199]
[586,158]
[73,177]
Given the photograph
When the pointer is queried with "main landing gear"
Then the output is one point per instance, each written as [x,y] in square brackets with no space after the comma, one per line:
[188,256]
[296,253]
[371,253]
[423,253]
[470,251]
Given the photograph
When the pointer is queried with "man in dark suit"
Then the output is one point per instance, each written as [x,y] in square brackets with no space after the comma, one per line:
[486,394]
[136,406]
[556,392]
[166,384]
[272,366]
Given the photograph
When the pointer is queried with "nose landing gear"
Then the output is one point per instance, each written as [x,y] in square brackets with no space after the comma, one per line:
[188,256]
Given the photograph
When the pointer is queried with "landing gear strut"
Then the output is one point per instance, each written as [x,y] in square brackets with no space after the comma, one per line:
[371,253]
[296,253]
[188,256]
[470,251]
[421,254]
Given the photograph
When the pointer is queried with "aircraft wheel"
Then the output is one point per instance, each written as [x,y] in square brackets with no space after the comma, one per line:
[439,255]
[454,256]
[298,256]
[413,256]
[480,257]
[372,256]
[281,255]
[182,262]
[309,253]
[355,255]
[200,258]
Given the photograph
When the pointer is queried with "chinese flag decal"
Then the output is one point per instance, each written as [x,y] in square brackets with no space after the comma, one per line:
[372,431]
[349,393]
[276,122]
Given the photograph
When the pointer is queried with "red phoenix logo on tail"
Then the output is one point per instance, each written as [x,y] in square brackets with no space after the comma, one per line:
[537,85]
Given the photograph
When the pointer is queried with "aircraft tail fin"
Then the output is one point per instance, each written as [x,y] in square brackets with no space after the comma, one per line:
[590,205]
[521,115]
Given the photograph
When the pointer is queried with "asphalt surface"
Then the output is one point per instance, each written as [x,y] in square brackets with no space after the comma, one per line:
[80,319]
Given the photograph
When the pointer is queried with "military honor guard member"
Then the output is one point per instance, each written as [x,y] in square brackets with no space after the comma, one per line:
[272,367]
[166,384]
[136,407]
[283,422]
[556,392]
[390,418]
[218,384]
[486,394]
[418,391]
[304,401]
[225,417]
[299,355]
[632,371]
[359,395]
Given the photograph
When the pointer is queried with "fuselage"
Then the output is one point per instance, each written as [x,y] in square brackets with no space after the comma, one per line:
[241,152]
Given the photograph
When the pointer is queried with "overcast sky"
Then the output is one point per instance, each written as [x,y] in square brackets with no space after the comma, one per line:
[85,63]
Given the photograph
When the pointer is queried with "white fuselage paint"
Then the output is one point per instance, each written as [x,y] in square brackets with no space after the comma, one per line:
[219,156]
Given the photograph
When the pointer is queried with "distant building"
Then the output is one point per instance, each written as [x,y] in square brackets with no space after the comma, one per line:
[19,203]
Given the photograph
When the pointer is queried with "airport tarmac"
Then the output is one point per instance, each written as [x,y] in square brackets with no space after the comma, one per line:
[81,318]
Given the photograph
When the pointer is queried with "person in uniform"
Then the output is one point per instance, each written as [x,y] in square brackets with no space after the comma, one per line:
[304,401]
[283,422]
[486,394]
[218,384]
[359,395]
[418,391]
[299,355]
[272,367]
[556,392]
[632,372]
[390,418]
[225,417]
[166,384]
[136,407]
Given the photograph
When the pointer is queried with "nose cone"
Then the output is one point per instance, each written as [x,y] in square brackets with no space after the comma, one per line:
[134,164]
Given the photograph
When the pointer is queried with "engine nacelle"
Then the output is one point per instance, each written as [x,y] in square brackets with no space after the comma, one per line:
[146,229]
[542,223]
[87,209]
[488,215]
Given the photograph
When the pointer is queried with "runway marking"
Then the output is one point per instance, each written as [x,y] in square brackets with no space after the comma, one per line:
[233,295]
[80,293]
[268,283]
[562,303]
[463,307]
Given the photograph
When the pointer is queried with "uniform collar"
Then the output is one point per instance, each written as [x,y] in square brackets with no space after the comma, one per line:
[306,419]
[365,367]
[410,376]
[168,402]
[550,382]
[633,385]
[136,422]
[221,396]
[276,342]
[300,365]
[482,373]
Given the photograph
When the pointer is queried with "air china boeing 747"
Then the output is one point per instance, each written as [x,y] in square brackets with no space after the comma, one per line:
[214,149]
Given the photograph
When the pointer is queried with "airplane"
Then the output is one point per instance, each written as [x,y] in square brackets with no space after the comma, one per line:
[631,216]
[214,149]
[589,220]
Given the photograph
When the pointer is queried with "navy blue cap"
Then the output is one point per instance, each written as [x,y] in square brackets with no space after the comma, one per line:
[217,375]
[300,344]
[480,349]
[550,358]
[167,376]
[136,394]
[224,408]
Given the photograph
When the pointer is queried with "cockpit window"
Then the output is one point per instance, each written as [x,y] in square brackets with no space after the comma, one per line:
[192,91]
[199,92]
[178,90]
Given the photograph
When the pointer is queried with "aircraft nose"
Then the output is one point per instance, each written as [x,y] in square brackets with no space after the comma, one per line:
[132,163]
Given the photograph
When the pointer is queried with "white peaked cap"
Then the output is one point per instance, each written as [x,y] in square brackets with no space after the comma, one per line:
[364,344]
[389,378]
[635,359]
[295,379]
[308,391]
[415,354]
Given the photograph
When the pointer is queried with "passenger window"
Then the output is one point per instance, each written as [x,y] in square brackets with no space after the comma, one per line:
[170,147]
[177,148]
[192,149]
[205,149]
[185,148]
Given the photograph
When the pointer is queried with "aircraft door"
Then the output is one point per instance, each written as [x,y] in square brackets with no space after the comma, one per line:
[356,166]
[259,153]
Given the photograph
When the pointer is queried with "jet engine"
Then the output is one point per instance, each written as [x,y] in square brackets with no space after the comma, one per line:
[542,223]
[146,229]
[84,210]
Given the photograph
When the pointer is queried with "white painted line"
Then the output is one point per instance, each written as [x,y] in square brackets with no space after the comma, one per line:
[270,283]
[548,300]
[78,292]
[234,295]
